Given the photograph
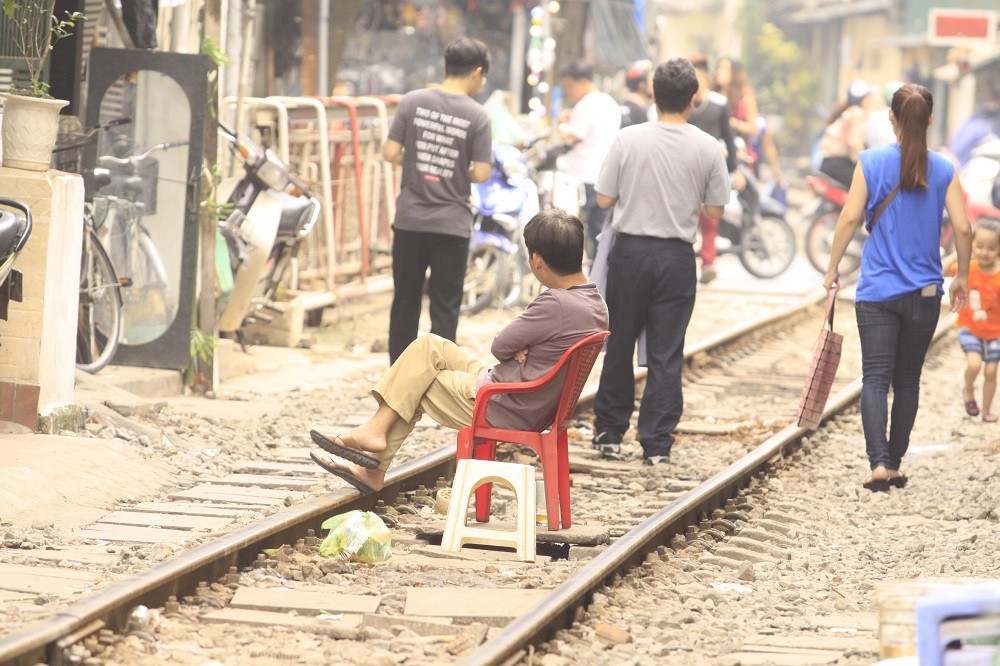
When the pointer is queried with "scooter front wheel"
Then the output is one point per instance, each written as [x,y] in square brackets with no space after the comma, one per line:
[767,247]
[483,274]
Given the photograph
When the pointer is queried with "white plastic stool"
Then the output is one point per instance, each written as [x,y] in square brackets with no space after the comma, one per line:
[469,475]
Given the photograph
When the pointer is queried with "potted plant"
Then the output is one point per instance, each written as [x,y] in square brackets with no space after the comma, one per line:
[30,117]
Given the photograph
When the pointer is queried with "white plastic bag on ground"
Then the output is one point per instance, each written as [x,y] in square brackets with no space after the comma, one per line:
[357,535]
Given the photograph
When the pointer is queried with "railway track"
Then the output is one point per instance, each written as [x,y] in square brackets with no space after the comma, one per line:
[747,361]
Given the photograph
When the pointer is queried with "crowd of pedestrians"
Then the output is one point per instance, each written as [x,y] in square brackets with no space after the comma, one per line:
[664,162]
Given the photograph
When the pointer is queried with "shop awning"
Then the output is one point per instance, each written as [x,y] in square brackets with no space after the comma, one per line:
[617,39]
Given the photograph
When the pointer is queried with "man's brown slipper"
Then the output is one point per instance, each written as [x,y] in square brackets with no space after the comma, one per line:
[344,447]
[898,481]
[343,474]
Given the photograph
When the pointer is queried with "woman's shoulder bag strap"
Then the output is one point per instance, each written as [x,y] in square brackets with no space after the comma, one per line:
[882,206]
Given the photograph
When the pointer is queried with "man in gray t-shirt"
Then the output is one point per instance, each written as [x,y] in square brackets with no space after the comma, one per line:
[658,176]
[436,135]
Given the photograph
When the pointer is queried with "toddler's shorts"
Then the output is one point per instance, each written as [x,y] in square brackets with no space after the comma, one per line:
[989,350]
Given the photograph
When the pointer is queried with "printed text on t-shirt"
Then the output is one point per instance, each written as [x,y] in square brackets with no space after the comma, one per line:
[438,133]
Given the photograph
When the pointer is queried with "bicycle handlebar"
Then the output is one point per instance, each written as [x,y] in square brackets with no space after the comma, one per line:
[128,161]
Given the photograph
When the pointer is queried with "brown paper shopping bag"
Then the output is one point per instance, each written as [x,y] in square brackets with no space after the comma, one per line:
[819,380]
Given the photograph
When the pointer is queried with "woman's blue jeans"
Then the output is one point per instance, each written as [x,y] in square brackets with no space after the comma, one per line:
[895,335]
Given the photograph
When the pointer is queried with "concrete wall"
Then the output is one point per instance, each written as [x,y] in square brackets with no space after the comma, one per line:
[715,33]
[38,340]
[863,57]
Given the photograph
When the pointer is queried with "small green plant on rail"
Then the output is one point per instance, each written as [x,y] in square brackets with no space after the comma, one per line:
[34,29]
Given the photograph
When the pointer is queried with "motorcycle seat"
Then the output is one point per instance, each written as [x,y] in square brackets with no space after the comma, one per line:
[12,234]
[833,181]
[294,213]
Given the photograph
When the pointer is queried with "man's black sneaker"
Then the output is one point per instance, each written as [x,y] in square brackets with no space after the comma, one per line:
[607,442]
[656,460]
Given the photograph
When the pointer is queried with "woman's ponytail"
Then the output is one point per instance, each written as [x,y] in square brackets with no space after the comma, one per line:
[912,106]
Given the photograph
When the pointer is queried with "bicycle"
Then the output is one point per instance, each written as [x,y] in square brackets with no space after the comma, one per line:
[148,307]
[104,311]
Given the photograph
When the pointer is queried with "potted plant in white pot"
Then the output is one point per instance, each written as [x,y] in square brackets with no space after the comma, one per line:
[30,115]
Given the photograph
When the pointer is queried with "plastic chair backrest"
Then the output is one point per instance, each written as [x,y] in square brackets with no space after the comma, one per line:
[581,358]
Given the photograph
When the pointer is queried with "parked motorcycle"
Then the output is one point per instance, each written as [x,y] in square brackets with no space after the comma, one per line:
[556,189]
[822,215]
[498,260]
[272,215]
[756,230]
[831,196]
[14,233]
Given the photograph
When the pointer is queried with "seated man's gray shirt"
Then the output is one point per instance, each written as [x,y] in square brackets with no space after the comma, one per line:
[551,324]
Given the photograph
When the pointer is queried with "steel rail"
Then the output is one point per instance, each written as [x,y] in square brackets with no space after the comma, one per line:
[557,610]
[209,562]
[45,640]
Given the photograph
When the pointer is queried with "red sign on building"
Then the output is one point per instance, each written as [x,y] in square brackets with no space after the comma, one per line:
[949,27]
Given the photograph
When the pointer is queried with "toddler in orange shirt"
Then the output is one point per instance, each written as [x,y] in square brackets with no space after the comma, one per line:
[979,321]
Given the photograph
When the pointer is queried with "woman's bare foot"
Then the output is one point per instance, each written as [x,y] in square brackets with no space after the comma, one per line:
[880,473]
[878,480]
[897,479]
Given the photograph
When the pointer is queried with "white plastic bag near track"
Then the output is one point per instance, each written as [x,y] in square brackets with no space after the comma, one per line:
[357,535]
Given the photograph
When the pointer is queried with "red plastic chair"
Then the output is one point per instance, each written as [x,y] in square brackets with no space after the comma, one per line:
[480,439]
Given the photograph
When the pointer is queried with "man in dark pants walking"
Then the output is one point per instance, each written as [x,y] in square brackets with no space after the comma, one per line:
[442,138]
[658,176]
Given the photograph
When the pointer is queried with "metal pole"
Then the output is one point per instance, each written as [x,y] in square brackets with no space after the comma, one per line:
[323,87]
[249,16]
[519,31]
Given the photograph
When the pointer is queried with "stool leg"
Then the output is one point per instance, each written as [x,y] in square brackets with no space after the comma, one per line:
[451,539]
[526,509]
[563,455]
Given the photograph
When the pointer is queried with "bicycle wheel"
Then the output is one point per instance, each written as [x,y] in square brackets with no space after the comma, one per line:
[99,322]
[149,308]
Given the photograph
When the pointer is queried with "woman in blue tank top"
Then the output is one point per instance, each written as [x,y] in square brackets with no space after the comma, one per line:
[900,191]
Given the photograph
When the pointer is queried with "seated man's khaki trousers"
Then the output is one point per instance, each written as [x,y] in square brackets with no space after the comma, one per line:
[432,376]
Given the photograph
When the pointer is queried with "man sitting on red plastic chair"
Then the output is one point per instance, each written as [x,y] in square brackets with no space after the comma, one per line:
[437,377]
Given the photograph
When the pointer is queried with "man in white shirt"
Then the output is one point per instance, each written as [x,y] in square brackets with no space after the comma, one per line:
[590,121]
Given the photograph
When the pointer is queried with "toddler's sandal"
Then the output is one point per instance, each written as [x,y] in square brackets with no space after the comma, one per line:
[971,408]
[990,418]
